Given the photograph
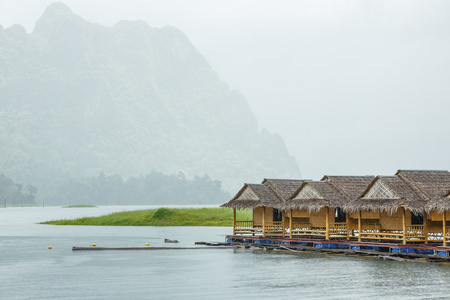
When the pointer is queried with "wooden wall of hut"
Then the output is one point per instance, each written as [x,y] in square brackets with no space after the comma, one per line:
[258,215]
[435,216]
[387,222]
[352,223]
[298,216]
[318,219]
[300,213]
[374,214]
[395,221]
[434,221]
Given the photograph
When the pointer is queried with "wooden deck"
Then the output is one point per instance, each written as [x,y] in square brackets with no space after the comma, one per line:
[432,252]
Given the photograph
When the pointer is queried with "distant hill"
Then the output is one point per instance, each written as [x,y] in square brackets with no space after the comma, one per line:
[78,98]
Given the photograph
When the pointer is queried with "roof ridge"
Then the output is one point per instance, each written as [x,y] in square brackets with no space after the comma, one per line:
[414,186]
[273,189]
[340,189]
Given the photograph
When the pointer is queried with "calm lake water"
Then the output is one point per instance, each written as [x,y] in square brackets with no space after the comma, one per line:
[28,270]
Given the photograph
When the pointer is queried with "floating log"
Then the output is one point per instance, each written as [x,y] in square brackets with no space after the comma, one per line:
[212,244]
[148,248]
[170,241]
[386,257]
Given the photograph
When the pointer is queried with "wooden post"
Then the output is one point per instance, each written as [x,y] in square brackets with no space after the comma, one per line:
[290,223]
[347,226]
[404,225]
[359,226]
[282,223]
[234,221]
[264,222]
[444,228]
[425,227]
[327,225]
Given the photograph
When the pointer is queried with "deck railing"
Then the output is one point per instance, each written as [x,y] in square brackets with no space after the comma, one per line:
[243,224]
[246,227]
[274,228]
[435,236]
[306,229]
[370,228]
[447,234]
[415,232]
[338,229]
[438,236]
[374,231]
[368,231]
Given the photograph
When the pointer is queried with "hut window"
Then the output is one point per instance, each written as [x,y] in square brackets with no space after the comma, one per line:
[339,215]
[248,194]
[416,219]
[277,215]
[381,191]
[308,192]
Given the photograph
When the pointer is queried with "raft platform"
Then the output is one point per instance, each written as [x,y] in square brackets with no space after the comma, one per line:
[392,251]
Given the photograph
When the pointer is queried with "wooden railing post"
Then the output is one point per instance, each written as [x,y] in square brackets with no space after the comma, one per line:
[444,228]
[290,223]
[234,221]
[425,227]
[264,222]
[327,224]
[359,226]
[404,225]
[282,223]
[347,226]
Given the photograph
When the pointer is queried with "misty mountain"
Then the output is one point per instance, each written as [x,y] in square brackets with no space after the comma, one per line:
[78,98]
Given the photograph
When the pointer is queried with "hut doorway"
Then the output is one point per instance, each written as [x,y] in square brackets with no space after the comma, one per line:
[339,215]
[277,215]
[416,219]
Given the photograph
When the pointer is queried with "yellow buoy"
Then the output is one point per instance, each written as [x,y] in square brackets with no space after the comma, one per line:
[147,244]
[49,247]
[93,245]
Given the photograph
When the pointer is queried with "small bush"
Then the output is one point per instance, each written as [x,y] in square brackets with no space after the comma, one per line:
[162,213]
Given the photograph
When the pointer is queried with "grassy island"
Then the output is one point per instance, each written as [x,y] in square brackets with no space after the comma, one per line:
[163,217]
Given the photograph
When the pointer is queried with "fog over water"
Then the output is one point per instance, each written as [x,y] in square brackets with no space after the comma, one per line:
[354,87]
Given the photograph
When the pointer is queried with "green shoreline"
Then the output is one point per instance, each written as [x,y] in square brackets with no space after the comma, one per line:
[79,206]
[163,217]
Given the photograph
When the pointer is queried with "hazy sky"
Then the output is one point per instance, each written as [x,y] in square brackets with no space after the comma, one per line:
[354,87]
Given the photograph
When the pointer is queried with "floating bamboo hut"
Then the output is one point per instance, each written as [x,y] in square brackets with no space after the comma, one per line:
[410,207]
[264,200]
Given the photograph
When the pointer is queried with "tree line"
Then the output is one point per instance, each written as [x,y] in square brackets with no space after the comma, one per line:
[15,194]
[154,188]
[151,189]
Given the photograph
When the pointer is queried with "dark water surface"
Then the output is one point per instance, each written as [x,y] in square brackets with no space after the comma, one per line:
[28,270]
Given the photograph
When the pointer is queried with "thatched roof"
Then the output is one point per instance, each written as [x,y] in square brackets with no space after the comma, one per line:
[415,190]
[314,195]
[387,193]
[284,187]
[254,195]
[431,184]
[388,205]
[440,205]
[353,186]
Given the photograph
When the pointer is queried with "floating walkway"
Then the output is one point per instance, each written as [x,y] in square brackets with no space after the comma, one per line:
[382,250]
[148,248]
